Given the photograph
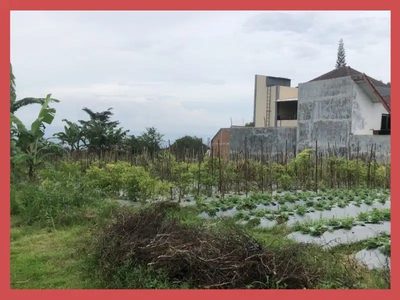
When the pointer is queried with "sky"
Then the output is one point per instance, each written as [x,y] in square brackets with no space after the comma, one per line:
[185,73]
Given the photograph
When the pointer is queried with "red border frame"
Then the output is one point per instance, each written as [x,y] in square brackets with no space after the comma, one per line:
[6,6]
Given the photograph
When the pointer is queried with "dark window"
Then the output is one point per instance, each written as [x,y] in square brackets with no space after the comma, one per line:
[286,110]
[385,123]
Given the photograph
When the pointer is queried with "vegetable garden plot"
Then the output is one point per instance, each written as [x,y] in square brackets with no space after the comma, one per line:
[297,207]
[338,212]
[373,259]
[342,236]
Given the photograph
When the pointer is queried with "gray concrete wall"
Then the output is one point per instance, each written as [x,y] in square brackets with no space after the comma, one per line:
[365,142]
[324,113]
[272,139]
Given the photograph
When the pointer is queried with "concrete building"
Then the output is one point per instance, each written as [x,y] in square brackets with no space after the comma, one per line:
[275,102]
[343,108]
[340,104]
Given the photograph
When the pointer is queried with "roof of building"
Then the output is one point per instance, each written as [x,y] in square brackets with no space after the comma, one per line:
[387,100]
[348,71]
[382,88]
[382,94]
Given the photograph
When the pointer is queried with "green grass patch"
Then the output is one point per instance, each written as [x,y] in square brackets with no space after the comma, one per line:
[45,258]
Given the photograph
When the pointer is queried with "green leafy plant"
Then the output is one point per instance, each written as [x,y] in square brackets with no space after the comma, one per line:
[30,146]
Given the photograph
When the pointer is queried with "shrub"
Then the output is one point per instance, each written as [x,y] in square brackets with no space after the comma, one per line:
[57,203]
[135,182]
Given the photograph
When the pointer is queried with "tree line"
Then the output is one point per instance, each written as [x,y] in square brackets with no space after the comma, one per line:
[97,134]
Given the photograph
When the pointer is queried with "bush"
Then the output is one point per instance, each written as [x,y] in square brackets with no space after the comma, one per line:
[66,171]
[135,182]
[57,203]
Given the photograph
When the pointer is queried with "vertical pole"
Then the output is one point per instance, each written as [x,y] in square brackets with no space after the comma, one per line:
[316,166]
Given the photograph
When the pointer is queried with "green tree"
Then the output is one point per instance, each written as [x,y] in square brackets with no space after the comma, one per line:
[181,145]
[133,144]
[99,133]
[151,139]
[250,124]
[341,55]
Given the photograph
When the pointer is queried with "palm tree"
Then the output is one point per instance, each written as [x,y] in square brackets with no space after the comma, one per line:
[17,104]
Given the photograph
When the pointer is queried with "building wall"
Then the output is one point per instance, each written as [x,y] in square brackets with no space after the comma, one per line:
[286,92]
[260,107]
[362,144]
[279,91]
[324,112]
[366,115]
[271,140]
[223,136]
[287,123]
[276,141]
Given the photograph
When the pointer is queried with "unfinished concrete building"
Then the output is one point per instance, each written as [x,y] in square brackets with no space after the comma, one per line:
[342,108]
[339,105]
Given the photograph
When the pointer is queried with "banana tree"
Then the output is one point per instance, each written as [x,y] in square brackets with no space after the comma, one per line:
[29,145]
[17,104]
[71,136]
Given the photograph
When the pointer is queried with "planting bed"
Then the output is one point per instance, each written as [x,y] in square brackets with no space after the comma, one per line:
[301,206]
[373,258]
[327,218]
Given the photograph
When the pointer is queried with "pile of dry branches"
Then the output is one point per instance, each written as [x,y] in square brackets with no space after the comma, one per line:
[203,257]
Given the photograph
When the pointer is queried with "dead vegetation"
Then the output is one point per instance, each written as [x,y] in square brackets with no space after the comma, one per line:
[227,257]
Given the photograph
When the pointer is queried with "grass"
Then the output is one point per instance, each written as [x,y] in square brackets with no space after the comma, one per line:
[48,258]
[57,259]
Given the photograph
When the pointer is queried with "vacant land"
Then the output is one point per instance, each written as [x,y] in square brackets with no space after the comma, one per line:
[123,226]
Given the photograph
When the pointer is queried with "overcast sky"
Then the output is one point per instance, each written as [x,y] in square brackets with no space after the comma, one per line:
[182,72]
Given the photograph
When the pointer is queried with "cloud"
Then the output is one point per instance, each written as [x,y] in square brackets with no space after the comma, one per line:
[281,21]
[183,72]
